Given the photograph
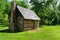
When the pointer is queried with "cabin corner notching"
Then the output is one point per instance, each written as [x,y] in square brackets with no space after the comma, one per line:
[22,19]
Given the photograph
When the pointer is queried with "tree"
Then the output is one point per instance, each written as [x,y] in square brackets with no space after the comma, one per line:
[5,8]
[46,10]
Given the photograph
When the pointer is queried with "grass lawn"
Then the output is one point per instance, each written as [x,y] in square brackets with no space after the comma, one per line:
[43,33]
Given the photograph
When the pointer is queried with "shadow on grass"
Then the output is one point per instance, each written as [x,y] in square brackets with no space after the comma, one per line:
[7,31]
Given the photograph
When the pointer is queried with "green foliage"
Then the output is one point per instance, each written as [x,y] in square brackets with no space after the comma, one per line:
[47,11]
[23,4]
[5,9]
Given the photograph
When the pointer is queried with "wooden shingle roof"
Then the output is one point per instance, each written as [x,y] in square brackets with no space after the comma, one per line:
[28,14]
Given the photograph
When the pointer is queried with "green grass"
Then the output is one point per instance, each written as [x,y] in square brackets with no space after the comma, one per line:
[43,33]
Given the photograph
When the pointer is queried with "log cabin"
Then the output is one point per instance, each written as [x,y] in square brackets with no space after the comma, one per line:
[21,19]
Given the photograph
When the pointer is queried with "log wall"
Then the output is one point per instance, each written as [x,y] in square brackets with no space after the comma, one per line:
[30,24]
[20,24]
[17,21]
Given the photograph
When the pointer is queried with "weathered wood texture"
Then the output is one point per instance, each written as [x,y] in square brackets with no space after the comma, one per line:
[11,26]
[30,24]
[17,21]
[21,24]
[20,21]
